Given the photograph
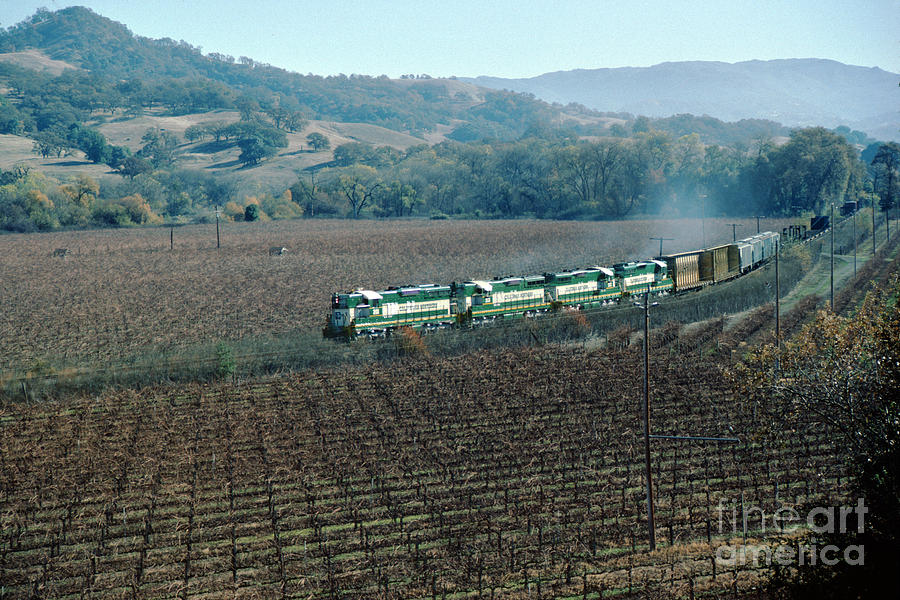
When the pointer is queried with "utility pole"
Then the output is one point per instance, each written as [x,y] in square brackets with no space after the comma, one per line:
[873,227]
[832,257]
[757,217]
[777,300]
[661,242]
[172,238]
[734,227]
[703,217]
[645,413]
[854,243]
[218,245]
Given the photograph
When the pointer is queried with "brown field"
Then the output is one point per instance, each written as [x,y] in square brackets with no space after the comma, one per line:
[122,292]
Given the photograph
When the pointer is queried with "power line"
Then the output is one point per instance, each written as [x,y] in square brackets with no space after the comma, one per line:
[758,217]
[833,224]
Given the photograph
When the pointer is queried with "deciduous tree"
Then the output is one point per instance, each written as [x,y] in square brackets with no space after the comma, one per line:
[886,175]
[317,141]
[842,373]
[359,185]
[82,190]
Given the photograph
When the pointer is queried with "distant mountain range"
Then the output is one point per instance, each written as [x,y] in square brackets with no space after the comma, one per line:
[794,92]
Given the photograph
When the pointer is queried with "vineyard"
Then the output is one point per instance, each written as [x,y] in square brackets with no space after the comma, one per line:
[514,474]
[408,472]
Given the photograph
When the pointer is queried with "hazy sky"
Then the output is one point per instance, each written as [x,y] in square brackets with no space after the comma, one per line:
[506,38]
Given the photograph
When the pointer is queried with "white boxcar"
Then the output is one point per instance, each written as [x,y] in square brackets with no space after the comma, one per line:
[768,239]
[756,250]
[745,252]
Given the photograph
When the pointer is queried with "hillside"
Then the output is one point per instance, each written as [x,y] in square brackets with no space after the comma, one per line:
[36,61]
[107,49]
[279,171]
[798,92]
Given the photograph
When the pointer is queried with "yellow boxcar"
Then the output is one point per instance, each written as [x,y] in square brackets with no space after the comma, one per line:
[719,263]
[684,269]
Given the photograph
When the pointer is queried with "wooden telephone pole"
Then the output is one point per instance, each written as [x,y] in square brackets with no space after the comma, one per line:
[645,414]
[661,239]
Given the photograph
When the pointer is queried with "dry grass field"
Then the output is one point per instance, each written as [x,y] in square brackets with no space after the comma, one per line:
[273,175]
[122,292]
[37,61]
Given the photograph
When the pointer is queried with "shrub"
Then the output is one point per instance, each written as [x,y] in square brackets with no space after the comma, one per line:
[234,211]
[410,343]
[224,361]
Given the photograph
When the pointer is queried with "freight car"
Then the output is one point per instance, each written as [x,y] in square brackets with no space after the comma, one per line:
[685,269]
[367,312]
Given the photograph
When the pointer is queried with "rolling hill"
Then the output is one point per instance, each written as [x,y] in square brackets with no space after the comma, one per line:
[104,48]
[222,159]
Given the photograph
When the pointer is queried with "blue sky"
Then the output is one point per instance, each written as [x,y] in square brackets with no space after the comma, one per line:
[506,38]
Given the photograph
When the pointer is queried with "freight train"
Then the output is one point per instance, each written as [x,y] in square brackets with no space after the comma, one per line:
[476,302]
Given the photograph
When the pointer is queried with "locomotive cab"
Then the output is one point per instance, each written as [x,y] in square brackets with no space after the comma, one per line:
[347,309]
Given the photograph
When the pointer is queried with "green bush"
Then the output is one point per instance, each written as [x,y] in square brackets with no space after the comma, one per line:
[224,360]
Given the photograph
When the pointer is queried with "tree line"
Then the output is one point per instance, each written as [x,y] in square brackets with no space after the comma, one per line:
[566,177]
[556,176]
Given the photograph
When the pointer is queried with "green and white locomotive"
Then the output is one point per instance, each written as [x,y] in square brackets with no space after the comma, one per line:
[583,287]
[480,300]
[375,313]
[639,277]
[367,312]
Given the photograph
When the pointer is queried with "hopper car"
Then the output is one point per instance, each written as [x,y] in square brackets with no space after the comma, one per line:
[479,301]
